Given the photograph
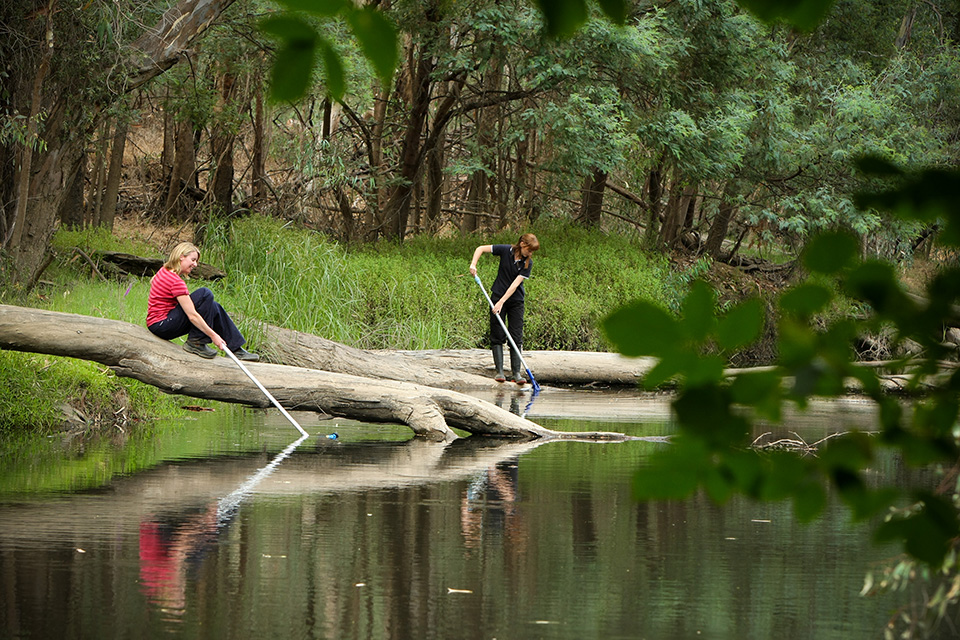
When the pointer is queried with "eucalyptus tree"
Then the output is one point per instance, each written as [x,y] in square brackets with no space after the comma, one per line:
[858,92]
[65,64]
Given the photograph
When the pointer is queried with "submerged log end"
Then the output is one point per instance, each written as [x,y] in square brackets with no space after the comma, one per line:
[426,419]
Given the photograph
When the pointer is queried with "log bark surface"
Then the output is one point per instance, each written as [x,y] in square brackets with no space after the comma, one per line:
[133,352]
[450,368]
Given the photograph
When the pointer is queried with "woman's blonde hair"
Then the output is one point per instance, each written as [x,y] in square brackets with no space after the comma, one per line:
[182,249]
[532,243]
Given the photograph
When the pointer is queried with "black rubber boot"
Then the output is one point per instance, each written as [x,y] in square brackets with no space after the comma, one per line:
[498,362]
[516,367]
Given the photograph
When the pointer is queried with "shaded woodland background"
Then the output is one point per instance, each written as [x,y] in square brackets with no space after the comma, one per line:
[694,125]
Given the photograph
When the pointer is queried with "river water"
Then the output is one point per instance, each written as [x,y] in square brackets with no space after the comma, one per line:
[226,525]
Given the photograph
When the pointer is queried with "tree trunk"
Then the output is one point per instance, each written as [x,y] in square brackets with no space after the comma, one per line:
[476,197]
[219,196]
[74,206]
[435,184]
[654,194]
[718,230]
[906,28]
[183,175]
[457,369]
[133,352]
[108,209]
[677,210]
[591,203]
[99,175]
[169,146]
[397,208]
[258,162]
[24,271]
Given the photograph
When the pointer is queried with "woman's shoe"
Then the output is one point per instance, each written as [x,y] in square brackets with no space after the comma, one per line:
[243,354]
[202,350]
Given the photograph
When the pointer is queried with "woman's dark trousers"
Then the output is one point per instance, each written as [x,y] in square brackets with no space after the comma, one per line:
[177,323]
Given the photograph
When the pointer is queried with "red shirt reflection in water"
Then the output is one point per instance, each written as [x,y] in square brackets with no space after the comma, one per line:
[160,577]
[166,550]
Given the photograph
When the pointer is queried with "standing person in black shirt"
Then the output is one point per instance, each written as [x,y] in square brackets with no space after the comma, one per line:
[507,297]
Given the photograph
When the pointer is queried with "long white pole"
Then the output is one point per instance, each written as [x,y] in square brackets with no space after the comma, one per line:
[266,393]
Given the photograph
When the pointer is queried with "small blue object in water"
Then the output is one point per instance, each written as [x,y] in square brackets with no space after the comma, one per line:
[333,436]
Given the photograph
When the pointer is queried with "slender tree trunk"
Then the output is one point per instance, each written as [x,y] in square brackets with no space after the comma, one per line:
[481,182]
[221,146]
[108,209]
[183,175]
[22,274]
[99,175]
[691,210]
[373,217]
[476,197]
[397,208]
[258,161]
[169,145]
[677,210]
[343,202]
[435,184]
[906,28]
[654,194]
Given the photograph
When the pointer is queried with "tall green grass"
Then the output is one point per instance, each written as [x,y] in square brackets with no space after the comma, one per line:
[420,295]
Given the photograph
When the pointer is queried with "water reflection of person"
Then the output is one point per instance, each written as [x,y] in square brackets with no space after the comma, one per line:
[488,506]
[171,548]
[514,400]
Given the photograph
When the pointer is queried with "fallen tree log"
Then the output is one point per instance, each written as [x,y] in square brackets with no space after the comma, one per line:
[145,267]
[449,368]
[473,368]
[133,352]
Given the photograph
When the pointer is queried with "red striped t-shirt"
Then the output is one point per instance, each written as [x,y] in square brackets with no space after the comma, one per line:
[165,286]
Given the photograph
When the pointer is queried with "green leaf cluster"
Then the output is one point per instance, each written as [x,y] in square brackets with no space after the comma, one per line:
[302,43]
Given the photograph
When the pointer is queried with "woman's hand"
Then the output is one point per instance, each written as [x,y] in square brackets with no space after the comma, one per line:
[498,307]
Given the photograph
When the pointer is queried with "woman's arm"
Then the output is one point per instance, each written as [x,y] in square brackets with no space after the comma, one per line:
[186,302]
[506,296]
[479,251]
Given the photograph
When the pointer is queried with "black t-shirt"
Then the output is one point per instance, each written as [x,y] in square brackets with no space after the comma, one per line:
[508,272]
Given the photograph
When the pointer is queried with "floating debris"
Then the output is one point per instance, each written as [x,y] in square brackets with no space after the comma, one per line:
[788,444]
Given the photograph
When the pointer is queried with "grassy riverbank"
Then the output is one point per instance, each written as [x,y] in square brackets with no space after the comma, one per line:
[417,295]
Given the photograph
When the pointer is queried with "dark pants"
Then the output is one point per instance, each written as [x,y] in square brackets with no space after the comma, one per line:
[177,323]
[512,315]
